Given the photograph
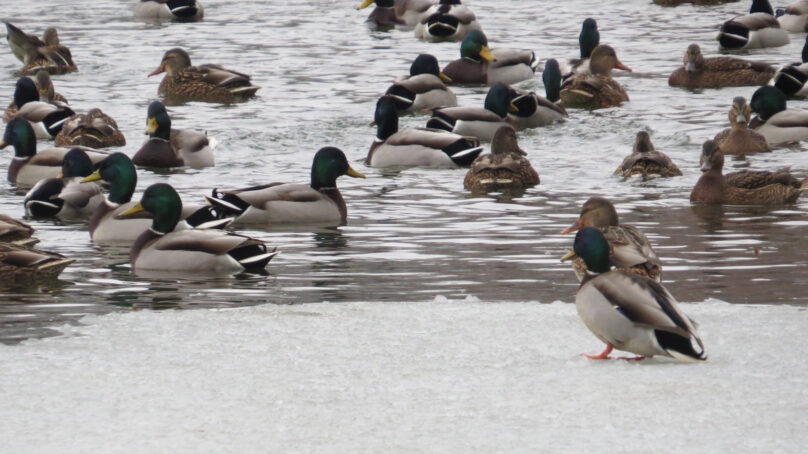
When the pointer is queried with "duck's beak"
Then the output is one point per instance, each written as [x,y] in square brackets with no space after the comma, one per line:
[159,70]
[95,176]
[444,77]
[691,67]
[353,173]
[512,108]
[569,256]
[3,144]
[151,125]
[365,4]
[706,165]
[575,226]
[620,65]
[485,53]
[135,209]
[61,175]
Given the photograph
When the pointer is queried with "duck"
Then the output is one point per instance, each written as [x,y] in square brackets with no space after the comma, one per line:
[95,129]
[424,89]
[742,188]
[755,30]
[479,122]
[417,147]
[480,65]
[630,249]
[47,94]
[15,231]
[165,247]
[794,17]
[40,54]
[168,147]
[19,263]
[398,12]
[791,79]
[533,110]
[65,196]
[646,161]
[717,72]
[169,10]
[627,311]
[596,89]
[317,203]
[588,40]
[738,139]
[506,168]
[29,166]
[47,119]
[774,121]
[449,20]
[207,83]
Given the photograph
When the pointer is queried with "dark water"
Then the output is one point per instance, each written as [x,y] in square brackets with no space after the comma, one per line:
[415,234]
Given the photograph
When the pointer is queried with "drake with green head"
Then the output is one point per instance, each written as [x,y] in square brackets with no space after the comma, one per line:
[318,203]
[424,89]
[164,247]
[627,311]
[168,147]
[738,139]
[774,121]
[66,196]
[533,110]
[480,65]
[481,123]
[449,20]
[46,118]
[588,40]
[597,89]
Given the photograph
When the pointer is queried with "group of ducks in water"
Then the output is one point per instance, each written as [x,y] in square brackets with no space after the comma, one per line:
[620,299]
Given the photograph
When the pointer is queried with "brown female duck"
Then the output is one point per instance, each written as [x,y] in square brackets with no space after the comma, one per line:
[742,188]
[647,162]
[18,261]
[40,54]
[208,83]
[597,89]
[717,72]
[15,231]
[505,169]
[95,129]
[738,139]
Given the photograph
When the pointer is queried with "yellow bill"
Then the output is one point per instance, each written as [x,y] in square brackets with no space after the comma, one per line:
[569,256]
[353,173]
[365,4]
[486,53]
[95,176]
[135,209]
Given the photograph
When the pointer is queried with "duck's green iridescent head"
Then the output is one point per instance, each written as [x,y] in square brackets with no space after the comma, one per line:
[386,117]
[427,64]
[475,47]
[589,37]
[163,202]
[552,80]
[592,247]
[158,123]
[76,163]
[21,136]
[329,164]
[118,170]
[767,101]
[379,4]
[25,91]
[498,100]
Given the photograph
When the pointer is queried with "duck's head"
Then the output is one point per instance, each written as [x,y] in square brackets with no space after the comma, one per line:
[44,85]
[552,80]
[118,170]
[761,6]
[694,60]
[76,163]
[805,50]
[385,118]
[589,38]
[504,142]
[51,37]
[740,113]
[427,64]
[767,101]
[21,136]
[449,2]
[712,158]
[163,202]
[603,59]
[174,61]
[329,164]
[642,143]
[25,91]
[498,100]
[596,212]
[158,123]
[379,4]
[475,47]
[592,247]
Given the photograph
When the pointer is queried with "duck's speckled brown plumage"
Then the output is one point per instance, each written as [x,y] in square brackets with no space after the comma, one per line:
[94,129]
[40,54]
[15,231]
[716,72]
[18,261]
[647,161]
[505,169]
[597,89]
[738,139]
[742,188]
[209,83]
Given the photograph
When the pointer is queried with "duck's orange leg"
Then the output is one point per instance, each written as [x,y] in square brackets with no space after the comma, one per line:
[603,355]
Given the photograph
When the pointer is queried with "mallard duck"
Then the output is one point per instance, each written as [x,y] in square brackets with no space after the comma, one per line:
[774,122]
[742,188]
[318,203]
[504,169]
[647,162]
[16,231]
[417,147]
[166,247]
[209,83]
[627,311]
[40,54]
[717,72]
[791,79]
[596,89]
[738,139]
[46,118]
[533,110]
[389,12]
[449,20]
[24,262]
[66,196]
[480,65]
[168,147]
[423,89]
[588,40]
[95,129]
[29,166]
[47,93]
[794,17]
[171,10]
[630,249]
[478,122]
[755,30]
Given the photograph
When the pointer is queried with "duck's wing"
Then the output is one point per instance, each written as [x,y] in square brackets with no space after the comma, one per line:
[248,252]
[25,260]
[630,247]
[751,179]
[510,57]
[189,140]
[24,46]
[220,76]
[721,64]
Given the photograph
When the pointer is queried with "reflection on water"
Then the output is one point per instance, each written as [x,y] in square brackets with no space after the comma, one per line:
[411,234]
